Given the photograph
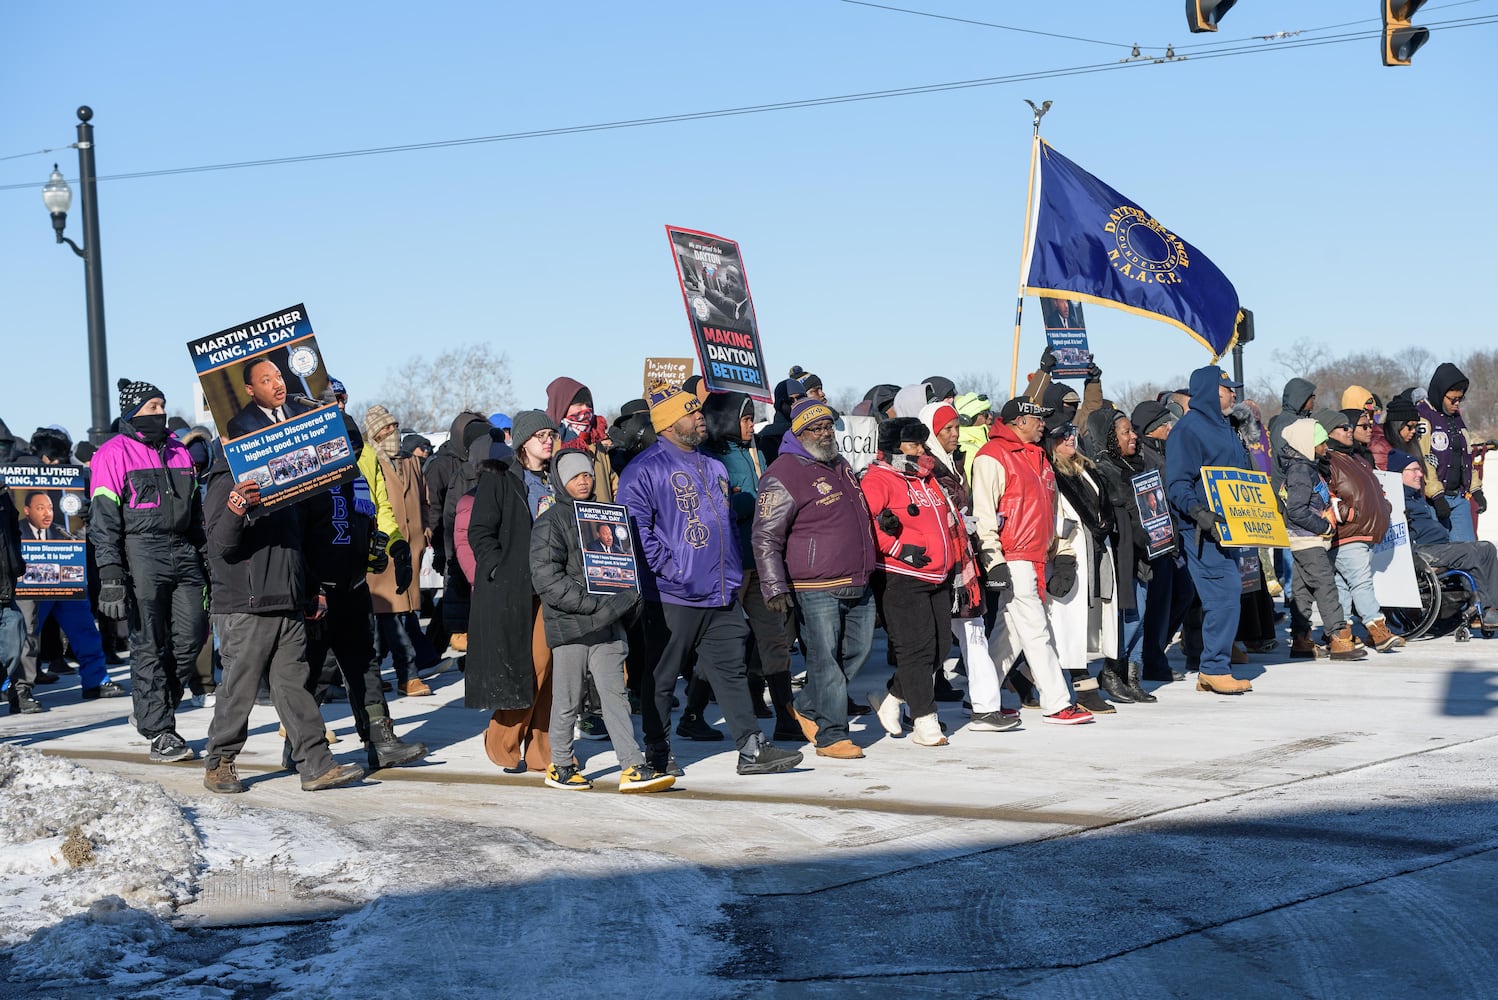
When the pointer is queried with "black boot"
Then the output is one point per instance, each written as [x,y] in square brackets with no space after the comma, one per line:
[786,726]
[1135,689]
[1111,682]
[662,760]
[385,749]
[21,701]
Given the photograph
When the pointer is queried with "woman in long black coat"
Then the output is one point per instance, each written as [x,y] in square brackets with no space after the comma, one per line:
[509,665]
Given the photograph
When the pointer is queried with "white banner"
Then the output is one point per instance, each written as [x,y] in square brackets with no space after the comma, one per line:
[858,440]
[1393,560]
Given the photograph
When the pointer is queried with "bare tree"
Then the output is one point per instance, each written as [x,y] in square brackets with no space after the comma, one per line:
[425,393]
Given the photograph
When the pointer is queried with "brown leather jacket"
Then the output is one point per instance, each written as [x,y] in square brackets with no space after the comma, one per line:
[1365,512]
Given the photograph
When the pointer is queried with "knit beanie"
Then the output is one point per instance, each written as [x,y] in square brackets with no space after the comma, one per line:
[1400,411]
[668,404]
[1331,419]
[1399,459]
[572,463]
[1354,415]
[944,414]
[376,419]
[529,423]
[134,395]
[807,412]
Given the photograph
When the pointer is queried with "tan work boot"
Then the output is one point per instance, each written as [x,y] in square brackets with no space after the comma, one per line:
[413,687]
[808,728]
[1342,647]
[1380,637]
[1303,648]
[1222,684]
[223,779]
[338,774]
[842,750]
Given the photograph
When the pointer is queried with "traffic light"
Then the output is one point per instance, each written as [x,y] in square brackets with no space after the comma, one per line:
[1203,15]
[1401,38]
[1244,327]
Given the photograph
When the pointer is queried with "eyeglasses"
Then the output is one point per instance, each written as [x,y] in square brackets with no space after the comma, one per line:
[1063,432]
[1455,397]
[820,428]
[1365,424]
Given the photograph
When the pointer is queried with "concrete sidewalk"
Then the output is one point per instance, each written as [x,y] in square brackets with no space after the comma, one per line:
[1331,833]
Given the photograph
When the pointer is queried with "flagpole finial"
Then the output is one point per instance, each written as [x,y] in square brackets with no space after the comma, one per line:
[1039,112]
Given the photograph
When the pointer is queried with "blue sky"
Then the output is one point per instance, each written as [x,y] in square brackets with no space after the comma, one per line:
[882,238]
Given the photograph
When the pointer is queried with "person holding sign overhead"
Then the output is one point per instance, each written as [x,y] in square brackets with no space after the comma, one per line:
[1203,437]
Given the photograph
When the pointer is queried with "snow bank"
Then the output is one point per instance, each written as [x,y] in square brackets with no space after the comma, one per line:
[144,853]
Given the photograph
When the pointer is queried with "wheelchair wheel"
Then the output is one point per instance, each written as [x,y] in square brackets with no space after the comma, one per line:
[1412,623]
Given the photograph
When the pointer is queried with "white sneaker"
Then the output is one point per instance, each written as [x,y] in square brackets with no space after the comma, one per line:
[887,707]
[927,732]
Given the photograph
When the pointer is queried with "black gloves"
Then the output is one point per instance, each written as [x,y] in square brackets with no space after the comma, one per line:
[889,523]
[1206,521]
[1143,571]
[915,555]
[1094,373]
[1442,508]
[400,554]
[782,604]
[1063,576]
[378,557]
[1480,501]
[998,578]
[113,597]
[1047,360]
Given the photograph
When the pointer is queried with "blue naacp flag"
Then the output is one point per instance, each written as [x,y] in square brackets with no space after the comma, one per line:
[1094,244]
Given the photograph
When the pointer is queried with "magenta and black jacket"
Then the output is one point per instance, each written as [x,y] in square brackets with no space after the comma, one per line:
[144,501]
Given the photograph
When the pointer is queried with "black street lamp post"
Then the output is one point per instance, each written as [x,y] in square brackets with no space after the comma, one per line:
[58,199]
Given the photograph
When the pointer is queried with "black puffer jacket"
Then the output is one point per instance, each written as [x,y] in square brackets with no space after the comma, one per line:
[571,614]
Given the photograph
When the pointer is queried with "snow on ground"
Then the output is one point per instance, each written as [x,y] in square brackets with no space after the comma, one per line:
[500,903]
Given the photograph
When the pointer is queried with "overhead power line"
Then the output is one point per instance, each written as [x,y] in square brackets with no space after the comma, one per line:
[871,95]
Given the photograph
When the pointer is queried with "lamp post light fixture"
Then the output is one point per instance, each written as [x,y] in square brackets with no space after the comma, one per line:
[58,198]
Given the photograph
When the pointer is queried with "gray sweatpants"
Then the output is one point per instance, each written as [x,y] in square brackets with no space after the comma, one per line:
[1315,580]
[256,646]
[570,666]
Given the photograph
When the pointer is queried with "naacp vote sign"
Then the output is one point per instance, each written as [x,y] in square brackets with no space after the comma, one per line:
[1247,501]
[265,383]
[716,291]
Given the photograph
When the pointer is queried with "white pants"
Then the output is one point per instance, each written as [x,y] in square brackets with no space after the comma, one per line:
[1026,629]
[982,679]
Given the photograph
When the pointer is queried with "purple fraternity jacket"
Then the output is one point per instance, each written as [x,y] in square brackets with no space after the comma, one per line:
[678,501]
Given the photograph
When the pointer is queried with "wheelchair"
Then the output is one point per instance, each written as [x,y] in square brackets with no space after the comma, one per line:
[1448,605]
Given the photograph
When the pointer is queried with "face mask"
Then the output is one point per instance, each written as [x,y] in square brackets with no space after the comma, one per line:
[389,445]
[152,427]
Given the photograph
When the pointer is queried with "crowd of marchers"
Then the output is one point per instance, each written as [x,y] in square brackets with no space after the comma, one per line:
[1016,532]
